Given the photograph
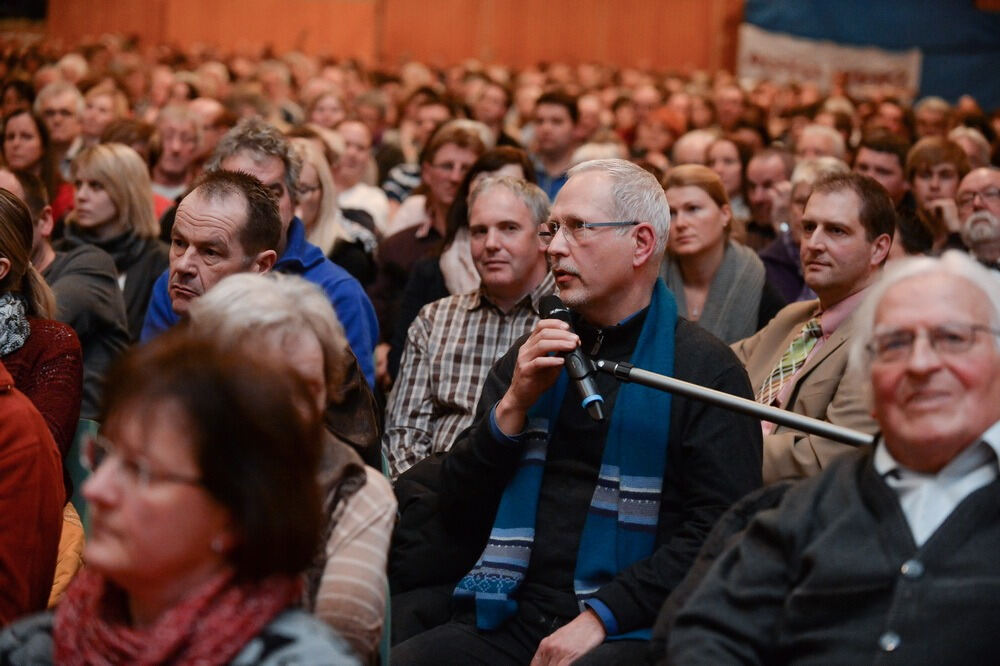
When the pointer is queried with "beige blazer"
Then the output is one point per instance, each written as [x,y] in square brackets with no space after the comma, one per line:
[822,389]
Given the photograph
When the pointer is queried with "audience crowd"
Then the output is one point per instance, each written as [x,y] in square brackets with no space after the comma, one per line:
[311,329]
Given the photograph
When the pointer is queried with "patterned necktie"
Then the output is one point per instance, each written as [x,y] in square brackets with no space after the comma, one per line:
[790,362]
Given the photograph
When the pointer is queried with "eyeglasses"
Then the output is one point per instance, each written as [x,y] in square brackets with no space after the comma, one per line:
[989,195]
[947,339]
[574,230]
[96,449]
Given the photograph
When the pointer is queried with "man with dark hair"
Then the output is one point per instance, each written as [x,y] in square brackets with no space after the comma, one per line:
[882,156]
[228,224]
[85,283]
[260,150]
[798,361]
[490,108]
[556,116]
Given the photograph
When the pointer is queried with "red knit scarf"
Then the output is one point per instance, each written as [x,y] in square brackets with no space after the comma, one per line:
[210,626]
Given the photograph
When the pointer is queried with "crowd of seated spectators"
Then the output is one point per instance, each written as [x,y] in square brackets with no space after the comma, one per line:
[405,223]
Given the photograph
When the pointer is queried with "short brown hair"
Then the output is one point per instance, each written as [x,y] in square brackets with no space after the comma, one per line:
[262,230]
[255,435]
[934,150]
[460,135]
[876,213]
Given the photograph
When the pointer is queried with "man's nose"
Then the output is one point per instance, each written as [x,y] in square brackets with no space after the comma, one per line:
[923,357]
[184,262]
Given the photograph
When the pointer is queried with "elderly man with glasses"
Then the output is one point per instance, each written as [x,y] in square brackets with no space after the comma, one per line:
[594,522]
[978,200]
[890,553]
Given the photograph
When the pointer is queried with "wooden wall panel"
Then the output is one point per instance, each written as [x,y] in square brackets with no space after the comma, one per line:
[328,27]
[655,33]
[72,20]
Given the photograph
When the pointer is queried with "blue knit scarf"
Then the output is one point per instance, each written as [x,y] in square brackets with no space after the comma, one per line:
[621,523]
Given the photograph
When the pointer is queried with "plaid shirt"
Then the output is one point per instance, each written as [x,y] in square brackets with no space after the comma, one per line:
[450,348]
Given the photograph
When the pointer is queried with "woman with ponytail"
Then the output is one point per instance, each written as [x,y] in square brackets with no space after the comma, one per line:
[43,356]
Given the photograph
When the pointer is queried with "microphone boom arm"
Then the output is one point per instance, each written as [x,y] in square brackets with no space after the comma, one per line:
[626,372]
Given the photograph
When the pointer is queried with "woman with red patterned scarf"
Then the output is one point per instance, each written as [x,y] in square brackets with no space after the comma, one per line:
[204,510]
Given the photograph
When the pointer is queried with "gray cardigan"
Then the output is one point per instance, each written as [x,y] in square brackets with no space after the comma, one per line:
[832,575]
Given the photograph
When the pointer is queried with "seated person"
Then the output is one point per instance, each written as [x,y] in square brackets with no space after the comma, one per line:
[888,554]
[719,284]
[559,574]
[85,284]
[798,361]
[31,504]
[289,321]
[934,167]
[43,356]
[204,511]
[979,206]
[455,340]
[260,150]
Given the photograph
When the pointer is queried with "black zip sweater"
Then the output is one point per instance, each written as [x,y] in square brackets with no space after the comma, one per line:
[714,458]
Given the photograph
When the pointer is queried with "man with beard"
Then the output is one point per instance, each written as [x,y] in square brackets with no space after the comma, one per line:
[978,201]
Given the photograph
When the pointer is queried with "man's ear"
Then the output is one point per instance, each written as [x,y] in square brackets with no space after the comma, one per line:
[4,267]
[46,223]
[880,249]
[264,261]
[645,244]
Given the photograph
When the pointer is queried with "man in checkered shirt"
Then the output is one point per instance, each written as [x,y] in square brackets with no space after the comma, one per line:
[453,342]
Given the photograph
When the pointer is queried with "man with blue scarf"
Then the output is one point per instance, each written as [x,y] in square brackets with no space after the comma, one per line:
[594,522]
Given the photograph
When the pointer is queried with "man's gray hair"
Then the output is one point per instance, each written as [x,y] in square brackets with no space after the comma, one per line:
[55,89]
[532,196]
[636,195]
[831,135]
[932,103]
[244,308]
[982,146]
[811,170]
[953,262]
[261,140]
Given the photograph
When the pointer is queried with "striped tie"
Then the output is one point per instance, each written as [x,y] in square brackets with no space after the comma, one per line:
[790,361]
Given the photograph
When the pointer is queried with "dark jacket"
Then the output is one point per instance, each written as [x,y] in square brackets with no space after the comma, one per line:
[714,458]
[832,575]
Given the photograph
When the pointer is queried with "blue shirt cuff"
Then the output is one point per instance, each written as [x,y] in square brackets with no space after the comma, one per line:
[604,613]
[498,434]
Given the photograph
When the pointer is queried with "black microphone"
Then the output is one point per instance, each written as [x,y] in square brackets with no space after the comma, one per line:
[579,367]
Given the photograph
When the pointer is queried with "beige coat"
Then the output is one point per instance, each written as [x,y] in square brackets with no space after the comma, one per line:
[822,390]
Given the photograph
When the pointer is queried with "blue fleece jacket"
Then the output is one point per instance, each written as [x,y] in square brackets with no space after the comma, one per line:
[304,259]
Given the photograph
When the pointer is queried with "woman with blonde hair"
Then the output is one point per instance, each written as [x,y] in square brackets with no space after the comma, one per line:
[718,283]
[114,211]
[345,242]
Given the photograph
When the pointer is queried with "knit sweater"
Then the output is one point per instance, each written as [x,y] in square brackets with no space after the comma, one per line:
[832,575]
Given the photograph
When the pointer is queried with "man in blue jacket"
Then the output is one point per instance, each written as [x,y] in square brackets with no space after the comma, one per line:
[259,149]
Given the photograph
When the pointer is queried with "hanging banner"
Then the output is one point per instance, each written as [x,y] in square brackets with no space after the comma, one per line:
[783,59]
